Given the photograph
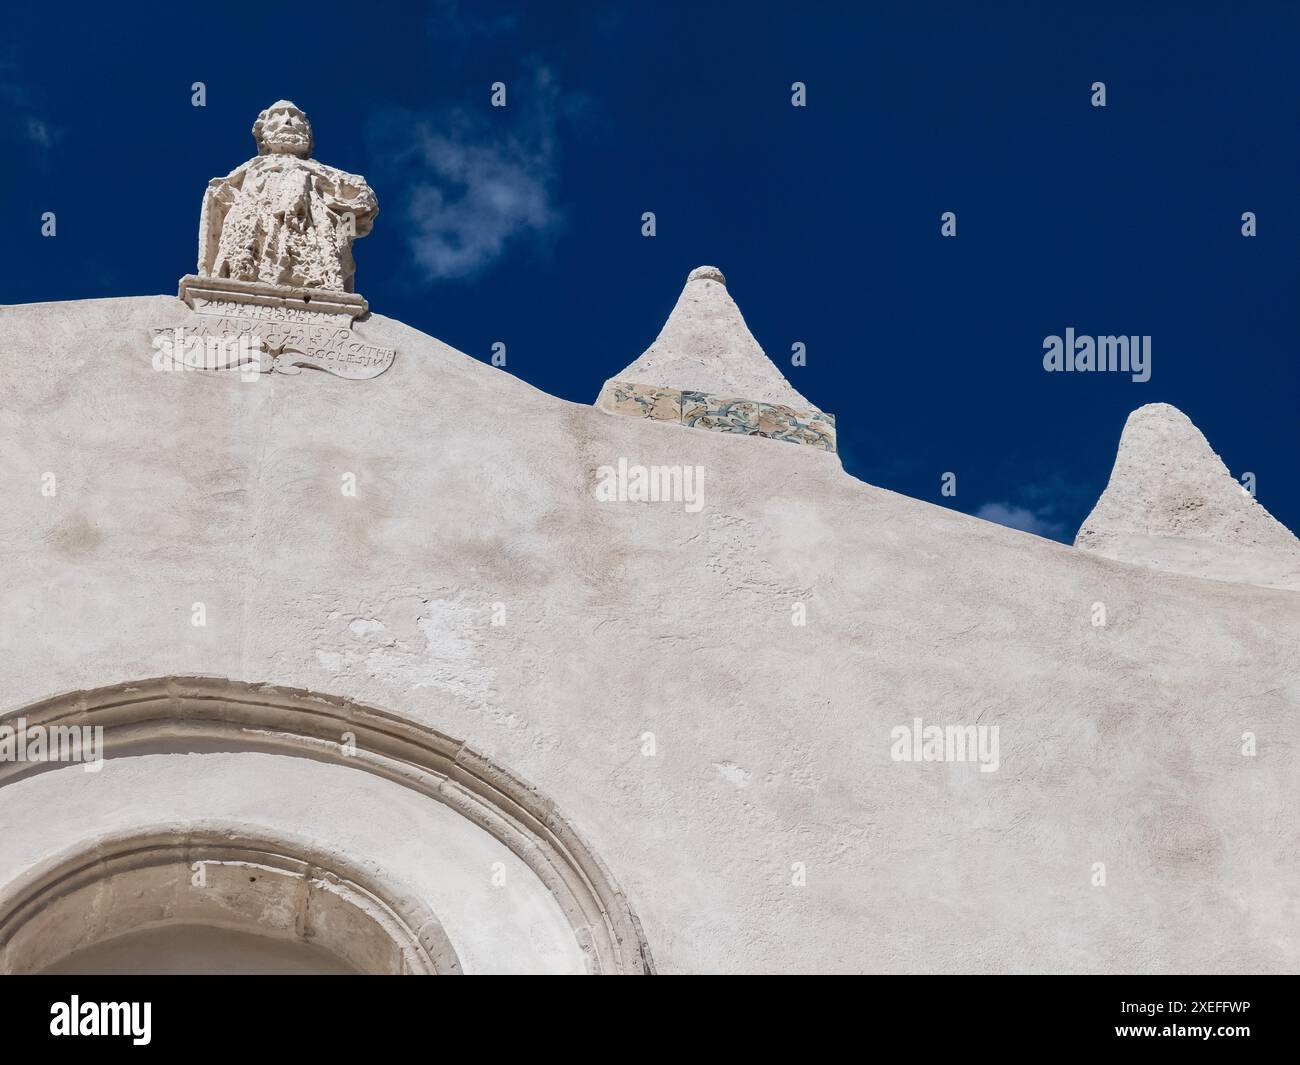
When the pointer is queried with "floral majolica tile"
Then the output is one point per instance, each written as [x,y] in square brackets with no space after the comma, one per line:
[800,427]
[704,411]
[641,401]
[721,414]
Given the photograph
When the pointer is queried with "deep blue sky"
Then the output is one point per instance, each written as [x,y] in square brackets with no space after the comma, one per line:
[523,224]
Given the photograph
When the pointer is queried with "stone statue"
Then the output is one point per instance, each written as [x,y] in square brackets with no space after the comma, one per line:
[274,290]
[283,218]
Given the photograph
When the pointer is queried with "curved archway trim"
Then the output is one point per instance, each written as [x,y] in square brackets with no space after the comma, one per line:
[294,721]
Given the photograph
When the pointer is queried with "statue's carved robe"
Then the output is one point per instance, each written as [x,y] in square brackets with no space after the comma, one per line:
[285,220]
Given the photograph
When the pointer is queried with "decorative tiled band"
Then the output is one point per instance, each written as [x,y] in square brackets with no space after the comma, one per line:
[700,410]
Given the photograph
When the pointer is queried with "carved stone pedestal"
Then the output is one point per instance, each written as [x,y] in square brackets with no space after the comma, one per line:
[216,295]
[272,328]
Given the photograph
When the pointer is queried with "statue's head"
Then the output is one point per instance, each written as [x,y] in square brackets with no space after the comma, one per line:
[282,129]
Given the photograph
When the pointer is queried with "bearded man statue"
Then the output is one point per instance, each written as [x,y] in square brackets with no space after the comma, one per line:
[283,218]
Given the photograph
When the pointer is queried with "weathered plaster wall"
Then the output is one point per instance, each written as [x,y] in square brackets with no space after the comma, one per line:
[1119,744]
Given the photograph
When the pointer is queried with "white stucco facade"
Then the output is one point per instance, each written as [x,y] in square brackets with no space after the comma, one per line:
[428,543]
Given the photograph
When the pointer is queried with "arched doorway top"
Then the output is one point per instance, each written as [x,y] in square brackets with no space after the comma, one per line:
[269,884]
[237,715]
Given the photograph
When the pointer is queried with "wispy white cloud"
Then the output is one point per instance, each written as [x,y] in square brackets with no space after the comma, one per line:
[19,118]
[1052,507]
[481,193]
[38,132]
[475,183]
[1022,518]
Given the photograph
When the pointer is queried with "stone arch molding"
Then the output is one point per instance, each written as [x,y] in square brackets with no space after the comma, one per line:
[274,885]
[398,933]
